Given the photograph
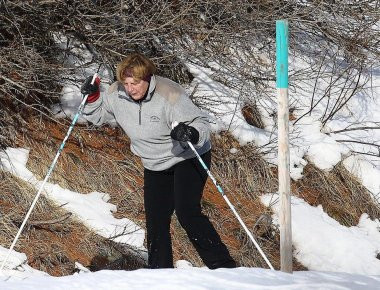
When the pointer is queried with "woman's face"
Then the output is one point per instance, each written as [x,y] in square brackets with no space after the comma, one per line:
[135,88]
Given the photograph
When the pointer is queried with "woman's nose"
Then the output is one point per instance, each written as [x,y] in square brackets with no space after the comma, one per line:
[129,89]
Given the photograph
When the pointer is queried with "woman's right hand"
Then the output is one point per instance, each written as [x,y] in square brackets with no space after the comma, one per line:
[92,90]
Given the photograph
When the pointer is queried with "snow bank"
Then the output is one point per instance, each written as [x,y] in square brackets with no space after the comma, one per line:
[16,266]
[199,279]
[322,244]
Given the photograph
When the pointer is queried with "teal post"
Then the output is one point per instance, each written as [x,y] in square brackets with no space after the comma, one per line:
[286,252]
[282,54]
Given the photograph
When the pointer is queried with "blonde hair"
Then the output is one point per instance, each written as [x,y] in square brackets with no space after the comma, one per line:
[135,65]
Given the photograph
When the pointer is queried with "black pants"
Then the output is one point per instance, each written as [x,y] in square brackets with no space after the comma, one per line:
[180,188]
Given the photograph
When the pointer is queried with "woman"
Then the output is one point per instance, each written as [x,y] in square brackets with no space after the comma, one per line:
[146,106]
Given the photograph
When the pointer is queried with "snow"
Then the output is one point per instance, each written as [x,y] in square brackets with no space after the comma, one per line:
[92,209]
[199,279]
[18,263]
[319,148]
[322,244]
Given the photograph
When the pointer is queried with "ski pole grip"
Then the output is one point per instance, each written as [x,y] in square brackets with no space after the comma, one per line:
[94,78]
[92,82]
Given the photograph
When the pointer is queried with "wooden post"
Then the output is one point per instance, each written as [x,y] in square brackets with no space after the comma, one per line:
[283,145]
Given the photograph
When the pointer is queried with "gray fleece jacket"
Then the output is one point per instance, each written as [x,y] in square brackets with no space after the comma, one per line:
[148,122]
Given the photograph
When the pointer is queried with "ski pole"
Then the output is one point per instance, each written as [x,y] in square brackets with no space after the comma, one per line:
[228,201]
[79,112]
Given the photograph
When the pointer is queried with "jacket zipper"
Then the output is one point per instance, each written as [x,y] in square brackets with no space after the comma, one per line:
[140,104]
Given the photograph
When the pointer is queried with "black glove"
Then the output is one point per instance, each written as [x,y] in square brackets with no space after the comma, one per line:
[92,90]
[185,133]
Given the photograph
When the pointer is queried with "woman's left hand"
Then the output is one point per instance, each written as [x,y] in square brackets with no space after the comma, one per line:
[185,133]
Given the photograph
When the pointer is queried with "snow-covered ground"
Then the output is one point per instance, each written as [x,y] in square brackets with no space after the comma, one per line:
[198,279]
[322,244]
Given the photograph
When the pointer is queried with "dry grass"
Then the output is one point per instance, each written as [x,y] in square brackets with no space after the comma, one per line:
[91,161]
[340,194]
[252,115]
[50,246]
[100,166]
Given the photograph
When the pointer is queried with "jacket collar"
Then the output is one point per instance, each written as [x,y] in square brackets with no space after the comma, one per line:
[152,86]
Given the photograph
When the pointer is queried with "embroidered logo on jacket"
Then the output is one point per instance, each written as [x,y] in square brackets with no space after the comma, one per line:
[154,119]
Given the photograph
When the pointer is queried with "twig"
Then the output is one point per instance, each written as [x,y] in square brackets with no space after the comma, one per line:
[50,222]
[359,142]
[354,129]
